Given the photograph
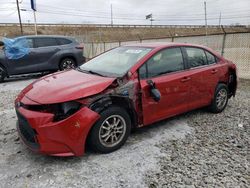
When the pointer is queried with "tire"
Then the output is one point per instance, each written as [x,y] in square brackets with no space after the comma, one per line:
[2,74]
[220,99]
[117,130]
[67,63]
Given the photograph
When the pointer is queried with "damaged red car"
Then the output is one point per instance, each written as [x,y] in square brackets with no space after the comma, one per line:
[127,87]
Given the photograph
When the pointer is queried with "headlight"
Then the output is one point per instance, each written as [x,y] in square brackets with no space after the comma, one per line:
[64,110]
[61,110]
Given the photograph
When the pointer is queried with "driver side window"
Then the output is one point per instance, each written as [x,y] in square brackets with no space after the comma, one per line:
[166,61]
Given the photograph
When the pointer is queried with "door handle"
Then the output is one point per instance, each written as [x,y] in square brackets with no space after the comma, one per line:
[185,79]
[214,71]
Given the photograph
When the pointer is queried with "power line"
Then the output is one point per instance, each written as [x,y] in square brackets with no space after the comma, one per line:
[129,14]
[7,15]
[237,14]
[127,18]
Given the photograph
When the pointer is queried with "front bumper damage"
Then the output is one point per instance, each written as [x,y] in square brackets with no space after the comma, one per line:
[64,138]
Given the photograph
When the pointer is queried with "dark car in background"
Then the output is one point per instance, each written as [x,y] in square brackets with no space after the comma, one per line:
[46,53]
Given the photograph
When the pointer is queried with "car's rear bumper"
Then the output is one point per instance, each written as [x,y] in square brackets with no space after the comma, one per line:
[63,138]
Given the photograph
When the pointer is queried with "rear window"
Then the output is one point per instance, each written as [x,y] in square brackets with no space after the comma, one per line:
[30,42]
[211,59]
[63,41]
[25,41]
[196,57]
[43,42]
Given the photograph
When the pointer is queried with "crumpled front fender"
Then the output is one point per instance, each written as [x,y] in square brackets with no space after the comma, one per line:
[63,138]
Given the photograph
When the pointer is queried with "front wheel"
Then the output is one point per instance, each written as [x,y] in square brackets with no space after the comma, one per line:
[67,63]
[220,100]
[111,131]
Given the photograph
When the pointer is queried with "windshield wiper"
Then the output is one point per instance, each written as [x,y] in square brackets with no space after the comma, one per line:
[91,72]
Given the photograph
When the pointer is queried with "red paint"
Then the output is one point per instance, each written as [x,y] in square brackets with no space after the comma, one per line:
[66,86]
[62,138]
[174,97]
[180,92]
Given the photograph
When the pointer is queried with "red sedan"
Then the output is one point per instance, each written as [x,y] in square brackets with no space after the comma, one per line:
[127,87]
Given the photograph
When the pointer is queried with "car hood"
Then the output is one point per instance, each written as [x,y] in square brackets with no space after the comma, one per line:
[65,86]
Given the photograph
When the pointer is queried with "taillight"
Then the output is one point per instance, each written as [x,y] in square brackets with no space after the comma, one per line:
[81,47]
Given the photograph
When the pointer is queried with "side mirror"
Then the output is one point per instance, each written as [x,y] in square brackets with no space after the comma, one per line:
[155,93]
[151,83]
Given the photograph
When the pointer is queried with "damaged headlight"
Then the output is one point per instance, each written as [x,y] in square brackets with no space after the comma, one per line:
[64,110]
[61,110]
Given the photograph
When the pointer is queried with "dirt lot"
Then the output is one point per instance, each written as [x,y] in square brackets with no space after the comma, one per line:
[105,33]
[197,149]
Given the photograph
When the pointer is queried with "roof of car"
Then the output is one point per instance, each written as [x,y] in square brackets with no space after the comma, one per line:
[44,36]
[163,44]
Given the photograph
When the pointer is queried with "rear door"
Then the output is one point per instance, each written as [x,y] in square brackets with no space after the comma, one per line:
[45,49]
[204,77]
[212,75]
[167,71]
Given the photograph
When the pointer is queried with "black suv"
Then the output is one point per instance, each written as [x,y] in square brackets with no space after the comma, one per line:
[46,53]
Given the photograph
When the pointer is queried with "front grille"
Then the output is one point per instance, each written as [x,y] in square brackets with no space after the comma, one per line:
[28,134]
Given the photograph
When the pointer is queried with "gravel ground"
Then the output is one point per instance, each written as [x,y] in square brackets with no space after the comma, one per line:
[217,154]
[197,149]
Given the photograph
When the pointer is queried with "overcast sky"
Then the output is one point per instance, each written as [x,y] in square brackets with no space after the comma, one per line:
[171,12]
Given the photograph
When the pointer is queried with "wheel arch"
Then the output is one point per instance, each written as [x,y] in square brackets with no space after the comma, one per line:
[232,82]
[4,67]
[221,82]
[100,104]
[124,102]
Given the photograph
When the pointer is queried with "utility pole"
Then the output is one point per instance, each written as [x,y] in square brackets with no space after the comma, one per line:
[33,7]
[205,7]
[111,12]
[151,20]
[34,12]
[220,19]
[19,16]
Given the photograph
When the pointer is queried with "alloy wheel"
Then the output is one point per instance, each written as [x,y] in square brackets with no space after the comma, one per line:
[112,131]
[68,64]
[221,99]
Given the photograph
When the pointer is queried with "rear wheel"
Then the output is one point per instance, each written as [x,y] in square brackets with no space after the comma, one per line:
[111,130]
[67,63]
[2,74]
[220,100]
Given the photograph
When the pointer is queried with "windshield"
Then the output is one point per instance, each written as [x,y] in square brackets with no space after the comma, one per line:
[116,62]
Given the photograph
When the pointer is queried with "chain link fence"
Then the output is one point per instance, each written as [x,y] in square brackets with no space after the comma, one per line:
[235,47]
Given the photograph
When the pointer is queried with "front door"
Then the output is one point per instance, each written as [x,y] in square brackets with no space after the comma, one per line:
[23,64]
[167,71]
